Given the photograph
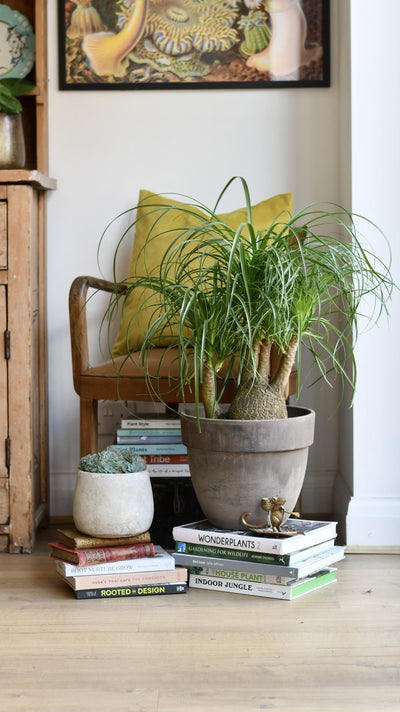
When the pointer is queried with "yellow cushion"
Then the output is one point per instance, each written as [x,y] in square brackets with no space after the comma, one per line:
[141,306]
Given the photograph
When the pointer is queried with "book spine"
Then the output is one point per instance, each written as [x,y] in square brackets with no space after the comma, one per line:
[90,557]
[261,544]
[193,561]
[128,591]
[166,459]
[215,584]
[117,567]
[148,440]
[247,577]
[287,592]
[143,578]
[150,423]
[168,470]
[225,553]
[149,432]
[177,449]
[89,542]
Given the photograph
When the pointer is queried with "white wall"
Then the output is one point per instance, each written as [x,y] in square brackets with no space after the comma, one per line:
[105,146]
[374,509]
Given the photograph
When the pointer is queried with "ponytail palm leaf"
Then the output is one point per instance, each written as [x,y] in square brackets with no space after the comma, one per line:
[231,295]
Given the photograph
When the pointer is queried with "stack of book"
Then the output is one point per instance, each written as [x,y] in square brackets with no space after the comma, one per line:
[115,568]
[273,566]
[159,442]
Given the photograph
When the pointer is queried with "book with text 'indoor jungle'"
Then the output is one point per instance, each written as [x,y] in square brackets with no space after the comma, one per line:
[286,592]
[101,555]
[161,561]
[72,538]
[308,532]
[242,569]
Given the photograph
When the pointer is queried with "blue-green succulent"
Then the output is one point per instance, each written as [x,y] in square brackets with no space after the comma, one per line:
[111,460]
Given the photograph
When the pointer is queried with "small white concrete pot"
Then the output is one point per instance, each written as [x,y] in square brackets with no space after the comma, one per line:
[113,505]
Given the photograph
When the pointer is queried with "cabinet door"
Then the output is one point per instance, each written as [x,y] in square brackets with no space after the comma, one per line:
[4,494]
[3,234]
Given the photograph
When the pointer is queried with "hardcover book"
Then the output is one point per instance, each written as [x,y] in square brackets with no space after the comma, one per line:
[286,592]
[149,423]
[154,449]
[142,578]
[221,552]
[129,591]
[308,532]
[162,561]
[241,569]
[74,539]
[91,557]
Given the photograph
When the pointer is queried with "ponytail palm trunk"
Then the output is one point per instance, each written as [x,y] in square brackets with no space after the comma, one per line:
[233,295]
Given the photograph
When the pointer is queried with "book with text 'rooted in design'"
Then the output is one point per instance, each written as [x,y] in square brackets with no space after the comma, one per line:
[132,591]
[308,532]
[140,578]
[91,557]
[286,592]
[74,539]
[162,561]
[261,557]
[242,569]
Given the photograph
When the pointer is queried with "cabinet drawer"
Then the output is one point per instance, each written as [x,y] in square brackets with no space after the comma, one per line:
[3,234]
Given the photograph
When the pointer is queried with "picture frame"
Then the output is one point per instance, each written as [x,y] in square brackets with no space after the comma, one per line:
[193,44]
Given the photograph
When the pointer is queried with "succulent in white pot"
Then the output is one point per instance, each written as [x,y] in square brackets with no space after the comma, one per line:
[113,495]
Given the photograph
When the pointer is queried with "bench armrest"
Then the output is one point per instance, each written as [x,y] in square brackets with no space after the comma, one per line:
[78,320]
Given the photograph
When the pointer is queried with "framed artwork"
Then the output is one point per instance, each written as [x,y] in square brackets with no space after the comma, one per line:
[193,44]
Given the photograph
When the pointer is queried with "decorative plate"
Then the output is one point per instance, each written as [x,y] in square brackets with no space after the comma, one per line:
[17,44]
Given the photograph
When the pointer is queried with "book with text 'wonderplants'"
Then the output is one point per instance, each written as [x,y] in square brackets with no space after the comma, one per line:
[302,534]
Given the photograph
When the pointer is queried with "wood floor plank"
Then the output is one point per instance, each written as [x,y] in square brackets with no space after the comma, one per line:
[337,648]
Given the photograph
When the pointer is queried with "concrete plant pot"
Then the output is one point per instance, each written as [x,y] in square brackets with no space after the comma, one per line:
[113,505]
[235,463]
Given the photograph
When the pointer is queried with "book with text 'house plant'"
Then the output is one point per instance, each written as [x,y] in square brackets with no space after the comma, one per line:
[286,592]
[161,561]
[92,557]
[139,578]
[74,539]
[204,550]
[132,591]
[240,568]
[308,532]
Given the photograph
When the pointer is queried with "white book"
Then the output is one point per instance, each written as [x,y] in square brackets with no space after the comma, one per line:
[172,470]
[144,423]
[286,592]
[162,561]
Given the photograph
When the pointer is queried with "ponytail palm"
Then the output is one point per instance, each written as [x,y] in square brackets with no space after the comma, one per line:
[230,296]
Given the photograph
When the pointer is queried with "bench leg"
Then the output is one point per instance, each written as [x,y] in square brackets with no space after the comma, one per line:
[88,426]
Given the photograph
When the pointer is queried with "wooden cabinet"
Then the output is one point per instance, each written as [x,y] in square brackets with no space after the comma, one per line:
[23,389]
[23,382]
[35,105]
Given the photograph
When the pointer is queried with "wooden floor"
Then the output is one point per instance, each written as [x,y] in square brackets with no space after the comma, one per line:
[335,649]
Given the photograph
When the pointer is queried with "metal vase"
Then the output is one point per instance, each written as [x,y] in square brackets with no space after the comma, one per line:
[235,463]
[12,143]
